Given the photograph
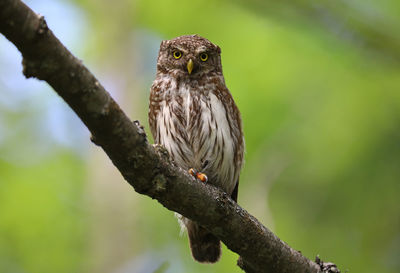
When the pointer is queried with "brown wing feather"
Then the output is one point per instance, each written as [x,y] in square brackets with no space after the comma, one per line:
[235,192]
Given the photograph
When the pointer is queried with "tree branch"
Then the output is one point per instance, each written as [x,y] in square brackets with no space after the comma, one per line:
[148,169]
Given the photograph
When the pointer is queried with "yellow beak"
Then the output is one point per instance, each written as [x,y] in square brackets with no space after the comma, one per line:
[190,66]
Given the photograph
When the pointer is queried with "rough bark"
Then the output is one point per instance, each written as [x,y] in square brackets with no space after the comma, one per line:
[148,169]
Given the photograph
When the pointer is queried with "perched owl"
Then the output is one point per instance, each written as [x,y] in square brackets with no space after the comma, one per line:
[193,115]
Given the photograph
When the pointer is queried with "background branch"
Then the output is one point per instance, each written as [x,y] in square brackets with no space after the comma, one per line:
[147,169]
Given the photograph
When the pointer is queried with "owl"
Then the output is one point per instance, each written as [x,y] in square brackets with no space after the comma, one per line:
[193,115]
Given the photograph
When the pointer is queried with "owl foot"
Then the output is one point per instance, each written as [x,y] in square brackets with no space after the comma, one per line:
[201,176]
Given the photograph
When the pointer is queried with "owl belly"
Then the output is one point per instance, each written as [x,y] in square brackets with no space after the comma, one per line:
[195,130]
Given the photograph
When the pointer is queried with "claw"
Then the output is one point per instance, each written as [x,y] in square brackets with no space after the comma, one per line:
[193,172]
[201,176]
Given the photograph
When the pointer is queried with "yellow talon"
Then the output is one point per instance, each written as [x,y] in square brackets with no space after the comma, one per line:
[201,176]
[192,171]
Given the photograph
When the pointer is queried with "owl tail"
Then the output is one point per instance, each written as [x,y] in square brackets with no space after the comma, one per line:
[206,248]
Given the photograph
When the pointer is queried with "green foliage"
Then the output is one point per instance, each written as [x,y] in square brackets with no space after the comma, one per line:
[42,226]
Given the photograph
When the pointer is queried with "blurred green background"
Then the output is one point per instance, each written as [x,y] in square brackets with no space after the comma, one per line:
[318,86]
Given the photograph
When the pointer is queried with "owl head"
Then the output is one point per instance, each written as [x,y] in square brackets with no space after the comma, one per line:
[189,56]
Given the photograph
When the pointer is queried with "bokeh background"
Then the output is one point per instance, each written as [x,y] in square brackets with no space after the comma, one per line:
[318,85]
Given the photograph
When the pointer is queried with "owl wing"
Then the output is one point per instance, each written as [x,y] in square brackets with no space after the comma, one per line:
[234,194]
[235,123]
[154,108]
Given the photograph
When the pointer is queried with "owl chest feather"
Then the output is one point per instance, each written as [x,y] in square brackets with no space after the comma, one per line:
[192,124]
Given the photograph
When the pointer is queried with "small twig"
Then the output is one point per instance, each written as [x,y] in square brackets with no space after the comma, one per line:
[326,267]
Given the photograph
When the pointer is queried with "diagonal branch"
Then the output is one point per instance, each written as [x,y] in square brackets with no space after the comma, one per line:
[148,169]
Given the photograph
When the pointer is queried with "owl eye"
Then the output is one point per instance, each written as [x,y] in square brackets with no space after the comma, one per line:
[177,54]
[204,57]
